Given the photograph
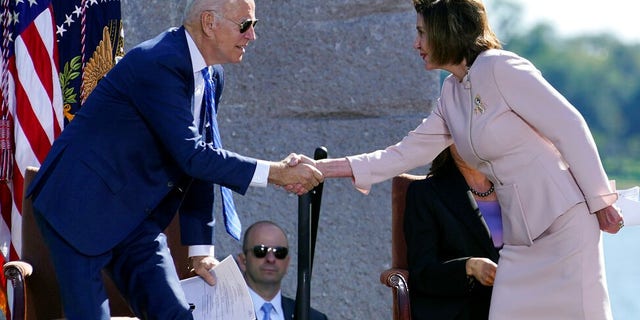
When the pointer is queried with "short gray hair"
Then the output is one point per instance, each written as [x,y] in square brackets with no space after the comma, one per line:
[194,7]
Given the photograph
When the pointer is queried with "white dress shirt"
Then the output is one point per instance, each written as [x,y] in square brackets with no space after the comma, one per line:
[276,313]
[260,176]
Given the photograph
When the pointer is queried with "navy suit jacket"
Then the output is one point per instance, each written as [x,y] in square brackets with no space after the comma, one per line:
[132,150]
[289,308]
[442,231]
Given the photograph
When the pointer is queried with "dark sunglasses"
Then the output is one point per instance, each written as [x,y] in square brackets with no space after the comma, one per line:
[246,24]
[260,251]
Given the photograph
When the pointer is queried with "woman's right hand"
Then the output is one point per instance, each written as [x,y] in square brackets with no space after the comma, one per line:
[483,269]
[610,219]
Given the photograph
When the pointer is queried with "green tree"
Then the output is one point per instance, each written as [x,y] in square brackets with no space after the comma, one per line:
[598,74]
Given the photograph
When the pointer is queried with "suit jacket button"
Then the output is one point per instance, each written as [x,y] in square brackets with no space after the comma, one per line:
[170,184]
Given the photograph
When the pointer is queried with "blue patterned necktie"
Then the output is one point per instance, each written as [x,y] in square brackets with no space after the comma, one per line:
[231,220]
[266,308]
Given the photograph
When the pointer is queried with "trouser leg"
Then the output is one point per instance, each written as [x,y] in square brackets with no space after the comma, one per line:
[143,269]
[79,278]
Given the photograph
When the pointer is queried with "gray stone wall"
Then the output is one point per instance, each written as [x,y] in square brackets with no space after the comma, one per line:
[335,73]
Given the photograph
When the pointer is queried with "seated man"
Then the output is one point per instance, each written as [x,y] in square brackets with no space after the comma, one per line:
[264,261]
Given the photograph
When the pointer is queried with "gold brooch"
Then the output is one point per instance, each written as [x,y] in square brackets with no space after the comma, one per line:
[479,105]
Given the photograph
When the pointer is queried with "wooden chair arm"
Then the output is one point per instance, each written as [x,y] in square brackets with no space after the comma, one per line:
[398,281]
[16,272]
[395,277]
[14,269]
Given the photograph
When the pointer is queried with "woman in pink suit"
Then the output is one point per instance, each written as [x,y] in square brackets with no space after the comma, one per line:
[511,124]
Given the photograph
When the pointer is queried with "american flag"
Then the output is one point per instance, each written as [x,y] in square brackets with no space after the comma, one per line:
[46,45]
[31,105]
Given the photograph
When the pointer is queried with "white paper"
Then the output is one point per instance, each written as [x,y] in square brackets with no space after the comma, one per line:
[629,205]
[228,299]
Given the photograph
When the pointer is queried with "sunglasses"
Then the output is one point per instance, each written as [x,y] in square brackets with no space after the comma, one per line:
[245,25]
[260,251]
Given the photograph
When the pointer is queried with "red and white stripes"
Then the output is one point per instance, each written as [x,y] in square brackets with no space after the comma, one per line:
[35,106]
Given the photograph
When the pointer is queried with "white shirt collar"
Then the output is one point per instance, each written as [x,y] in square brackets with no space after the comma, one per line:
[197,63]
[197,60]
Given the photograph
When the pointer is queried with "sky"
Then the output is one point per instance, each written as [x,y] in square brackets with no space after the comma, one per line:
[574,17]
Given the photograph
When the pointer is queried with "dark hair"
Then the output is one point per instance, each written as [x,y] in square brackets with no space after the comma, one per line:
[456,29]
[442,162]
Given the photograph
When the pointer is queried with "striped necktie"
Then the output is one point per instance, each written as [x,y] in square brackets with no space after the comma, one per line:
[231,220]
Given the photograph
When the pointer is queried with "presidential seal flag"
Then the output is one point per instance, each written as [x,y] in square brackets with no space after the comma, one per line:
[90,39]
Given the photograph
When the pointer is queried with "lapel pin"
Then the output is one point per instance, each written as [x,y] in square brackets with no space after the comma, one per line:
[479,105]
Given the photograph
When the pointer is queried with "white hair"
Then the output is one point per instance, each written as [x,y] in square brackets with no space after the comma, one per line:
[195,7]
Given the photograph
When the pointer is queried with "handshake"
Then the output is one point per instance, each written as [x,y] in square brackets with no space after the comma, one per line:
[296,174]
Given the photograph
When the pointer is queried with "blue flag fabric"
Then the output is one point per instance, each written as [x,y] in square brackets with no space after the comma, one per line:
[100,46]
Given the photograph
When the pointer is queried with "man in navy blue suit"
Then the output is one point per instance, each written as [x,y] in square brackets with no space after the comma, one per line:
[135,154]
[264,261]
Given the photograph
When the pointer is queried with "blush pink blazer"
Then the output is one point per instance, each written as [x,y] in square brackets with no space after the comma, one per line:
[510,123]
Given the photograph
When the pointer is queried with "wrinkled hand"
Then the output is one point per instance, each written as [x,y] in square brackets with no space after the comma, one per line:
[296,174]
[293,160]
[201,265]
[610,219]
[483,269]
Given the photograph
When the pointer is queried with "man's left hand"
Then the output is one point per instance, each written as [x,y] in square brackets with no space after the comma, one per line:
[201,265]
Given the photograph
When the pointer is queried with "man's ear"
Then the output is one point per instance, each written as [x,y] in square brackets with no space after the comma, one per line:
[207,22]
[242,262]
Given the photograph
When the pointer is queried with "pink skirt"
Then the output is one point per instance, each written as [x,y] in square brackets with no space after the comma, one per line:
[561,276]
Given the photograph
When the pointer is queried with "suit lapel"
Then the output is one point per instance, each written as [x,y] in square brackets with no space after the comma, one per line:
[288,306]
